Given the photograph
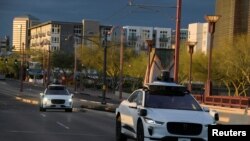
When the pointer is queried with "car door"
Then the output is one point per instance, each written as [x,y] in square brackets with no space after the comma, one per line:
[133,109]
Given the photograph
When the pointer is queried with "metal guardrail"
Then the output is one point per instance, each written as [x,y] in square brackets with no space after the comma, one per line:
[224,101]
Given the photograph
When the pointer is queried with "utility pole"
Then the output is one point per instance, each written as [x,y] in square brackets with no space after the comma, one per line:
[104,87]
[177,40]
[48,69]
[21,71]
[121,63]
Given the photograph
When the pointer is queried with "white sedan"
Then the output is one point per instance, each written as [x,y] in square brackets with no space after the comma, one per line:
[56,97]
[162,111]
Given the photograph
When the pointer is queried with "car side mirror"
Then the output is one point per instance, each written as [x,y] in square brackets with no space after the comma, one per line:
[206,109]
[214,114]
[143,112]
[41,94]
[216,117]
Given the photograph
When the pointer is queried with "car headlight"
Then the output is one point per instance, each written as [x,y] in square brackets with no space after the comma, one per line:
[45,99]
[153,122]
[70,100]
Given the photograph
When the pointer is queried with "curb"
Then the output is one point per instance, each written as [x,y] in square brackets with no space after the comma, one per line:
[26,100]
[98,106]
[86,104]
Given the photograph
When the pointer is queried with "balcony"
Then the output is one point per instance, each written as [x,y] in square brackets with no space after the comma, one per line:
[164,39]
[132,38]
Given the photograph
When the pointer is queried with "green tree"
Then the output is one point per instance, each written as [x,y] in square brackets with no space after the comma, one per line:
[64,61]
[232,63]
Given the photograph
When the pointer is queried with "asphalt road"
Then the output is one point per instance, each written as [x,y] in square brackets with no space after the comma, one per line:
[23,121]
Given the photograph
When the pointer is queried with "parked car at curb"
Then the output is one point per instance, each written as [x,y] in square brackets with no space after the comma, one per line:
[56,96]
[162,111]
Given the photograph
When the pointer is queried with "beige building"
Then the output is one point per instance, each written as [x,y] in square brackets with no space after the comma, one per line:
[235,20]
[20,34]
[198,32]
[55,35]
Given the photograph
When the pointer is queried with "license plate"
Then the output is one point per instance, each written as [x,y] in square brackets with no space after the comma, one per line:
[183,139]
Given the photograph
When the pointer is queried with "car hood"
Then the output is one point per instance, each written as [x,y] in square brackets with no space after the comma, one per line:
[58,96]
[171,115]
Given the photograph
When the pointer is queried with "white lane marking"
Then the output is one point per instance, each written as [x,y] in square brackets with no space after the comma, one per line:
[59,123]
[57,133]
[43,115]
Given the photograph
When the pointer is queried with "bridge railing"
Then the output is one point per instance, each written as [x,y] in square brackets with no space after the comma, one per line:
[224,101]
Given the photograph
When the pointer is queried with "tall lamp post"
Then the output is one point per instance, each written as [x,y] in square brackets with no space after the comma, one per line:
[21,70]
[75,58]
[191,46]
[121,58]
[21,45]
[211,19]
[177,40]
[104,87]
[48,69]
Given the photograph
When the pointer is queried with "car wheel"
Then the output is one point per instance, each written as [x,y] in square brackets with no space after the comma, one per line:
[140,131]
[42,109]
[119,135]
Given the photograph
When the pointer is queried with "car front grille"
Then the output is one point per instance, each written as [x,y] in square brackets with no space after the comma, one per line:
[176,139]
[57,101]
[181,128]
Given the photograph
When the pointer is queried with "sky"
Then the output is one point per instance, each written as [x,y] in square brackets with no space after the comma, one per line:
[154,13]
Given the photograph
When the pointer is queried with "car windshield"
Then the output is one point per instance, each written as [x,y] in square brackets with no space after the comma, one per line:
[56,90]
[171,98]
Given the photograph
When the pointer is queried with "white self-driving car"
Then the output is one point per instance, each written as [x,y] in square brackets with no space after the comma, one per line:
[162,111]
[56,97]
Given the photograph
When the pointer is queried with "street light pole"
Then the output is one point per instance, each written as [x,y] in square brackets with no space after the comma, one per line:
[104,87]
[121,63]
[121,58]
[75,65]
[211,19]
[21,71]
[48,68]
[191,46]
[177,40]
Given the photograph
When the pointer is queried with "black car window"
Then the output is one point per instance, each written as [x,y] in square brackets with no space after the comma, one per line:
[139,98]
[171,98]
[56,90]
[136,97]
[133,97]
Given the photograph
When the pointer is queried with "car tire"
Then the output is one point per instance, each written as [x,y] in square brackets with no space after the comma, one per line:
[42,109]
[119,135]
[140,131]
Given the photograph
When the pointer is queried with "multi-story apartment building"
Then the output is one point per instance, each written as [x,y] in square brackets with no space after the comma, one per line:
[21,33]
[136,36]
[235,20]
[55,35]
[198,32]
[4,46]
[162,38]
